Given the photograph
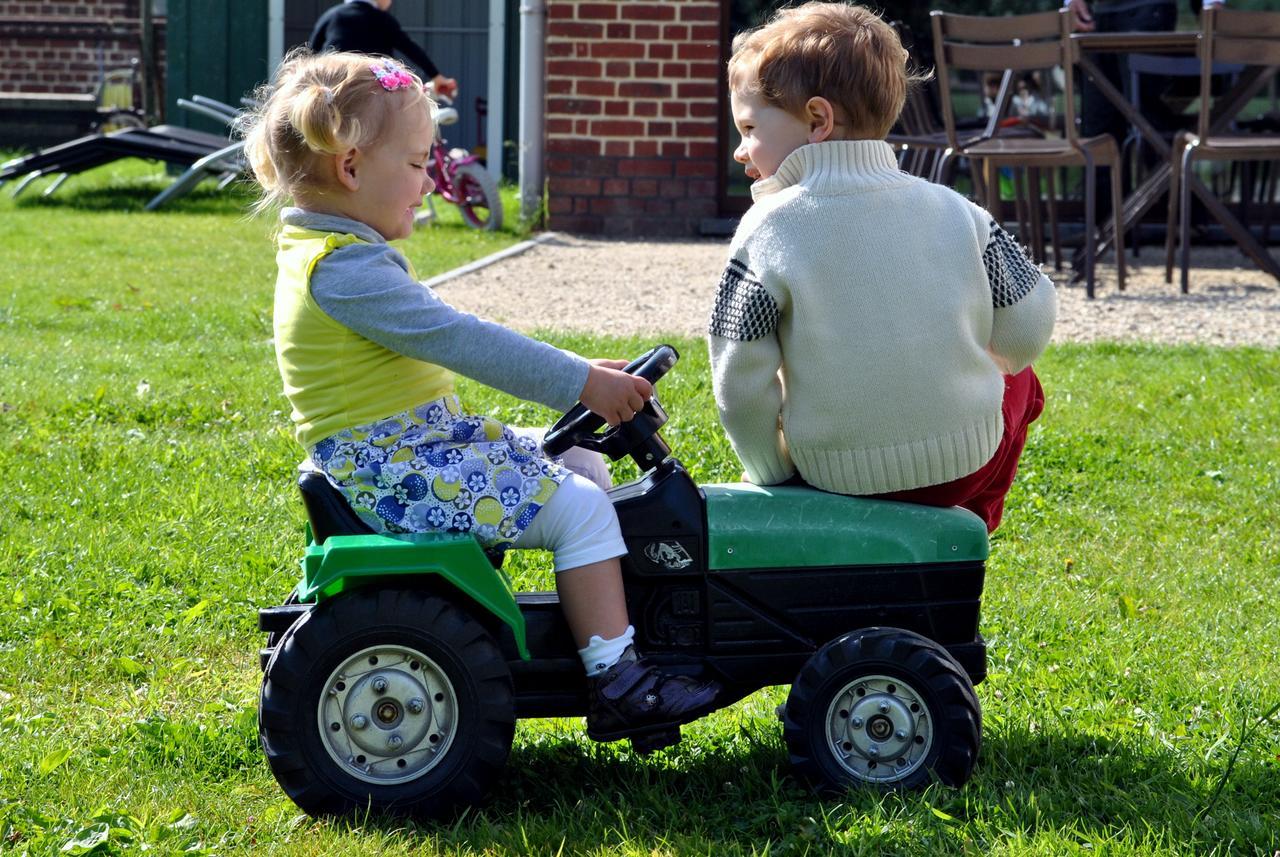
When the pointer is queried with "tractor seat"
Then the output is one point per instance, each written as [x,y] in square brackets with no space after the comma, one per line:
[331,515]
[328,510]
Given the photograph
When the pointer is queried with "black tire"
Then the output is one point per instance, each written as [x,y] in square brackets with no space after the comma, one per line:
[446,699]
[882,707]
[274,637]
[480,202]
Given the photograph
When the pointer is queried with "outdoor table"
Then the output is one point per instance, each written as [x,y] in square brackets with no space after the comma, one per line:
[1156,185]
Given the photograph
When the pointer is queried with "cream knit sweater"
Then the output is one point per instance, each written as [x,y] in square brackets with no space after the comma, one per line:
[864,322]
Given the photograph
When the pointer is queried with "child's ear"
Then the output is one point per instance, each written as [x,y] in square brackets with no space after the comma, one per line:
[822,119]
[346,165]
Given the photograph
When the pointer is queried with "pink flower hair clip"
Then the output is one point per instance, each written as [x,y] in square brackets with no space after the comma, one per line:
[391,76]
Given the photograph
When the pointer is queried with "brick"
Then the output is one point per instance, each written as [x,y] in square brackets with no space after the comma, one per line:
[597,11]
[558,50]
[660,129]
[698,51]
[648,11]
[618,148]
[697,129]
[572,186]
[702,188]
[574,68]
[650,167]
[632,50]
[617,68]
[617,108]
[639,89]
[703,109]
[559,11]
[645,148]
[644,108]
[559,165]
[675,33]
[654,205]
[644,187]
[559,86]
[660,51]
[677,109]
[559,125]
[672,189]
[616,128]
[695,169]
[648,32]
[616,187]
[574,30]
[674,149]
[699,149]
[697,90]
[595,87]
[581,126]
[580,106]
[706,71]
[700,12]
[705,33]
[618,31]
[646,69]
[573,146]
[580,224]
[675,69]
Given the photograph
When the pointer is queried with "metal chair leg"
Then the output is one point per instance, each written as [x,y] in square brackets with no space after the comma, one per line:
[1117,214]
[1184,231]
[1090,225]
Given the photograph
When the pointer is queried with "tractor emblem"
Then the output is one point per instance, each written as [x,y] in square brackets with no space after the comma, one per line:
[668,555]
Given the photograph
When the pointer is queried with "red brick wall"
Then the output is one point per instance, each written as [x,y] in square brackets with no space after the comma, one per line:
[62,47]
[632,115]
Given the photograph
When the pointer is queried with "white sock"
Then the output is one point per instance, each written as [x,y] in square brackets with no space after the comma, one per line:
[600,654]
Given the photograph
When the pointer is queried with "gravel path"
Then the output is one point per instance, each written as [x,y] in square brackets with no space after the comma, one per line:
[571,283]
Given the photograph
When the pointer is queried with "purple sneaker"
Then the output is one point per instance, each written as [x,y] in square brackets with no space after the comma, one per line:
[632,696]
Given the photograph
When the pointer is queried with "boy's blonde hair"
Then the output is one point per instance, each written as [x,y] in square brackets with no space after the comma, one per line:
[844,53]
[316,105]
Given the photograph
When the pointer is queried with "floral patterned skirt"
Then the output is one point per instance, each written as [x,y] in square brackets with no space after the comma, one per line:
[436,469]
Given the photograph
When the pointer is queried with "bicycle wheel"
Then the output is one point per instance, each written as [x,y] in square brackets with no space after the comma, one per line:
[478,197]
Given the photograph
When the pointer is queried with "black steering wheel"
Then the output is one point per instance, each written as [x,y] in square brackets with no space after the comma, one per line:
[636,437]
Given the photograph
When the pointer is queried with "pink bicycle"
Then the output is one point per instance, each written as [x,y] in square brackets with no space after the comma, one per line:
[461,179]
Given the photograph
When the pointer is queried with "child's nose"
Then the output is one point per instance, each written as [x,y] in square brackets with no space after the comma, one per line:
[740,153]
[427,184]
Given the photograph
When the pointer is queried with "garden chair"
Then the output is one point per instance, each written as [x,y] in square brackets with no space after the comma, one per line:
[1031,42]
[1227,36]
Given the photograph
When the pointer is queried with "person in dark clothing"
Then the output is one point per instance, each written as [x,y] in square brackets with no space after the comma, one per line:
[1097,114]
[367,27]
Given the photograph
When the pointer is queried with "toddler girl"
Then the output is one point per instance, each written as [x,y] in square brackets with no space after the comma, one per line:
[367,354]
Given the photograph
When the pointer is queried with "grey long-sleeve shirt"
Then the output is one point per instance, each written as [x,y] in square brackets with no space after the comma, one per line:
[367,287]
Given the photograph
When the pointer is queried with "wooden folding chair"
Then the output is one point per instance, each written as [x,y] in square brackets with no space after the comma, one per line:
[1024,43]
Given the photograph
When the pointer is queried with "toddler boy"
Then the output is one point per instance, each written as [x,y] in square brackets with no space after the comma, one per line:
[872,332]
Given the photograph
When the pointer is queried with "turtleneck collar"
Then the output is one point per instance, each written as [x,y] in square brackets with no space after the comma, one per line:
[833,165]
[300,217]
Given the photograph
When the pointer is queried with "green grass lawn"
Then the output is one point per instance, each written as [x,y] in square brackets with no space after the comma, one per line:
[149,510]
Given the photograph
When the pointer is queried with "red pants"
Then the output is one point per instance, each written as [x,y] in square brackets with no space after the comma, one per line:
[982,492]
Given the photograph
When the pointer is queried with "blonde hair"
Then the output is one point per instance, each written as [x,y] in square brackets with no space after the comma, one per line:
[316,105]
[841,52]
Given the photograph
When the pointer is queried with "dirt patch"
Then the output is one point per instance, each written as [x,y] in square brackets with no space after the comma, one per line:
[592,285]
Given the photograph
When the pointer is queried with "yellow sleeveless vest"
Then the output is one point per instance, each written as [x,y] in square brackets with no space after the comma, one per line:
[334,378]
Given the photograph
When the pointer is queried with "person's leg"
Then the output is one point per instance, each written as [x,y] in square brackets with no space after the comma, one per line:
[983,491]
[626,694]
[583,462]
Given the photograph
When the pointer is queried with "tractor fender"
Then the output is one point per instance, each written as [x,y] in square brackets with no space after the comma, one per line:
[348,562]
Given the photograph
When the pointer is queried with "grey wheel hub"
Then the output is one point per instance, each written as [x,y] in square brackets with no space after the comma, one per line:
[387,715]
[878,729]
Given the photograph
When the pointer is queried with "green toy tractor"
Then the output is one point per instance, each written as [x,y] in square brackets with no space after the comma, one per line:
[395,674]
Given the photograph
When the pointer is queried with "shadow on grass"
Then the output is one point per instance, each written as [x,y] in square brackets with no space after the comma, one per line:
[133,196]
[1036,787]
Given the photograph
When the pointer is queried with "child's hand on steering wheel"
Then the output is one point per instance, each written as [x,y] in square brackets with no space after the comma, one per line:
[612,394]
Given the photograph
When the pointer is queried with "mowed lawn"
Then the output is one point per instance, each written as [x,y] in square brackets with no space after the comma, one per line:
[149,509]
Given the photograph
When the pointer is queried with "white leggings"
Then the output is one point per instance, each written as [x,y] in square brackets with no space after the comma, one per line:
[578,523]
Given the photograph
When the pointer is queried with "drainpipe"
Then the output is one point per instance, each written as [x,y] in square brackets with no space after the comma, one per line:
[533,21]
[275,35]
[497,79]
